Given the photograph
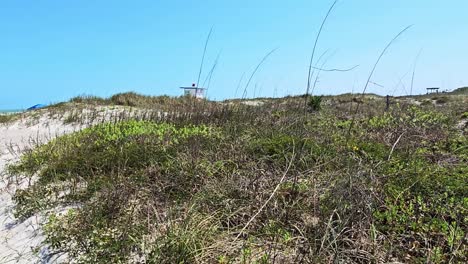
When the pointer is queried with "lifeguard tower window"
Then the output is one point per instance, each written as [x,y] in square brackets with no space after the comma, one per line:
[194,92]
[432,90]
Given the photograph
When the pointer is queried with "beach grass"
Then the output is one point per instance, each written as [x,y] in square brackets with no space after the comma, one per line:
[228,182]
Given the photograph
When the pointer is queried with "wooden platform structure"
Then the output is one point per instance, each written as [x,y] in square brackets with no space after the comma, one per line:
[432,90]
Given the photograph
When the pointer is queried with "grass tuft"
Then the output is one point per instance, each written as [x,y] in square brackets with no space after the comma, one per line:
[228,182]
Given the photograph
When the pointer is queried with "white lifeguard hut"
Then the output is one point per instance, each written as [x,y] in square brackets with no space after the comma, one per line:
[194,91]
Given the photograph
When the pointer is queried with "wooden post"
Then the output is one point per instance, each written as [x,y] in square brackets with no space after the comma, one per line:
[388,103]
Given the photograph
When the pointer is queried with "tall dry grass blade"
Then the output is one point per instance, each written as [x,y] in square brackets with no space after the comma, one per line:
[203,57]
[336,69]
[210,74]
[270,197]
[239,84]
[255,71]
[309,75]
[321,66]
[414,71]
[372,74]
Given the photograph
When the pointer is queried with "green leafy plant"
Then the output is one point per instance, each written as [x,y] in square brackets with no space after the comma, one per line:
[315,103]
[213,182]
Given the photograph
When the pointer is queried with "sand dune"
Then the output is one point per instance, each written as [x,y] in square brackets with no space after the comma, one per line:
[19,240]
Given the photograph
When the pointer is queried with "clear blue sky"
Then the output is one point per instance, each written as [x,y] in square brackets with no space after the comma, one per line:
[53,50]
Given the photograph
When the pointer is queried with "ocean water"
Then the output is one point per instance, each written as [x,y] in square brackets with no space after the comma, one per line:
[10,111]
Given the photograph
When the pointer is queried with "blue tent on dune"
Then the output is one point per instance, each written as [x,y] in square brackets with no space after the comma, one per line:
[34,107]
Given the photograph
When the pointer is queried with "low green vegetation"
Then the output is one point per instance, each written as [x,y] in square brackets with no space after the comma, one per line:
[315,103]
[4,119]
[232,183]
[460,91]
[7,118]
[132,99]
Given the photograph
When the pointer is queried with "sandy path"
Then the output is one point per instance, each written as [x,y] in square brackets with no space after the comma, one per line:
[18,239]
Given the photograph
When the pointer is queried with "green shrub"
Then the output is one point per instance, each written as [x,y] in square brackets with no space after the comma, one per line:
[442,100]
[315,103]
[138,100]
[424,209]
[275,147]
[6,118]
[184,240]
[110,171]
[215,185]
[89,99]
[387,120]
[105,151]
[426,102]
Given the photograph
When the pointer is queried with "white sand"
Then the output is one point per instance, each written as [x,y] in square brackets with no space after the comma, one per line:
[253,103]
[19,239]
